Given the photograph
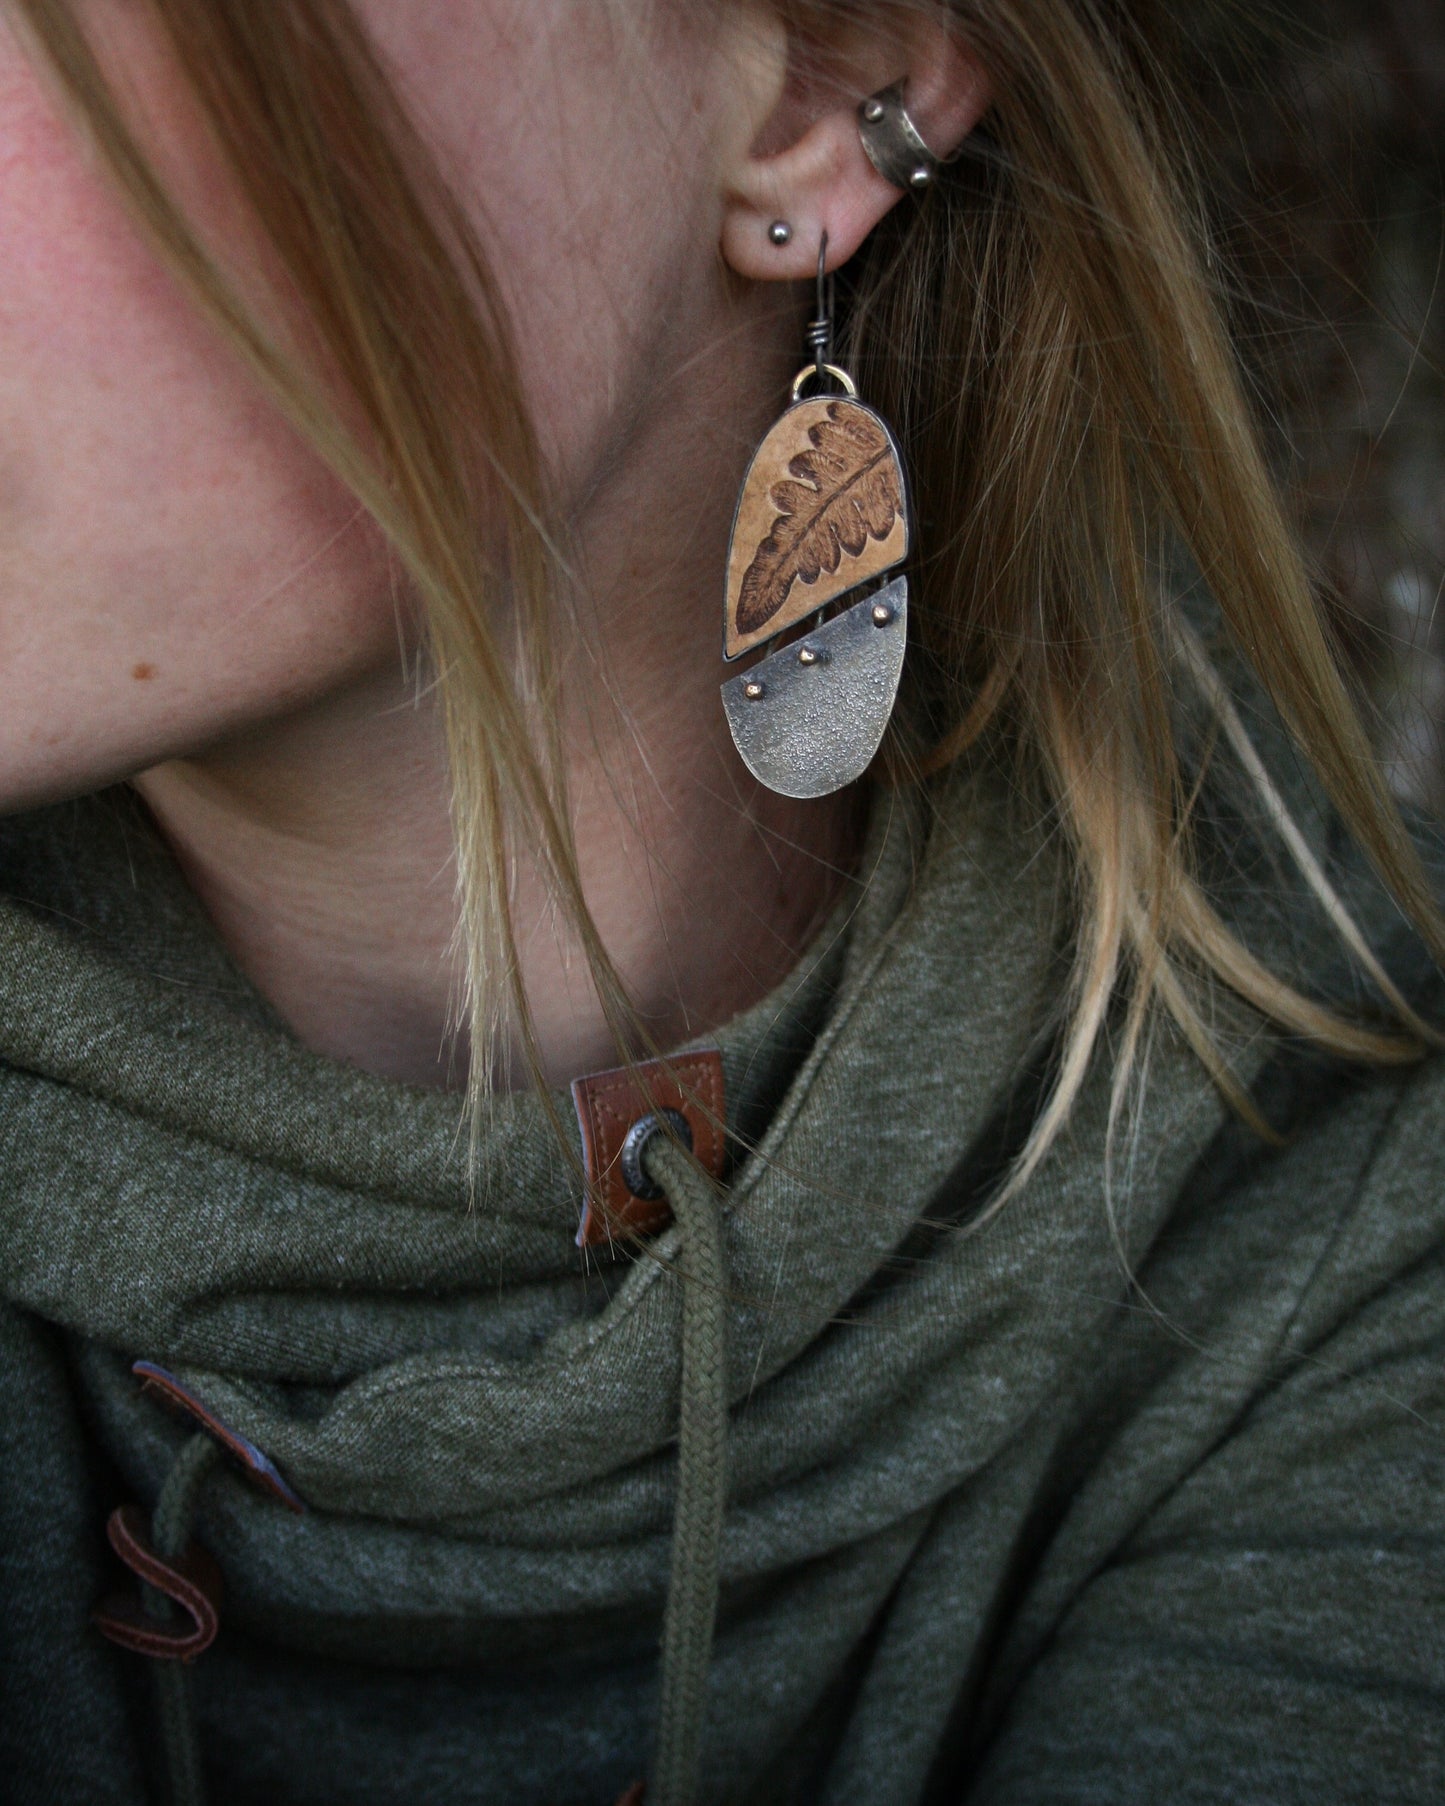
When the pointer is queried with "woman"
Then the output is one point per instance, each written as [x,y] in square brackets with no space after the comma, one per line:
[1045,1404]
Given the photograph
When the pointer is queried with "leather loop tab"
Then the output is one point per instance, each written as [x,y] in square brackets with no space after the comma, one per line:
[609,1103]
[254,1463]
[193,1582]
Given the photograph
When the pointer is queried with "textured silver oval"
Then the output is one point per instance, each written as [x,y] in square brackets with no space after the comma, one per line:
[808,719]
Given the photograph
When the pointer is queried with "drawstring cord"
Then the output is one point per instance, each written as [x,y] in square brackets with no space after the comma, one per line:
[692,1588]
[172,1522]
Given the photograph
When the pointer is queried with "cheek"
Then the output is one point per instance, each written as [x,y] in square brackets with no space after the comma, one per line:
[173,562]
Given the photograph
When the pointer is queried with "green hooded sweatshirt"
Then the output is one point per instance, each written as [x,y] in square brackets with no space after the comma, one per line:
[1129,1491]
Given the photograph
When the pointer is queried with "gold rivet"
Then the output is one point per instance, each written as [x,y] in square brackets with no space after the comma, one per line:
[807,655]
[882,614]
[753,689]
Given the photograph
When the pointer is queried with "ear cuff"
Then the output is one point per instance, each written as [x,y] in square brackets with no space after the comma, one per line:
[893,142]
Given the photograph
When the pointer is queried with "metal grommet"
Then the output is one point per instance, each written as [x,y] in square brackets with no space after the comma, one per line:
[629,1159]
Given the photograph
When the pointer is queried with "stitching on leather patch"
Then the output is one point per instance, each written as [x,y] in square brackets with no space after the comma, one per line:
[254,1463]
[193,1582]
[609,1103]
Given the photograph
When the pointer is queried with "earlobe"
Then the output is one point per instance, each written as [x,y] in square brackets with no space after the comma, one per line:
[821,179]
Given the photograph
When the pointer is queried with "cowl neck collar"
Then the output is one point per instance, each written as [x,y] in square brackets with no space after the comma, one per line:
[296,1242]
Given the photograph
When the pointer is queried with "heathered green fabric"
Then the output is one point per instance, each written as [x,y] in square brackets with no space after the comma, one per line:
[1003,1526]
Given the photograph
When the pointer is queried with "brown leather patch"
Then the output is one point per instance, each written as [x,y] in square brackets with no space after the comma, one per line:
[194,1582]
[258,1467]
[609,1103]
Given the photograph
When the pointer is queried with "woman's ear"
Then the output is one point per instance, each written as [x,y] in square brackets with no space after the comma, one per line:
[807,167]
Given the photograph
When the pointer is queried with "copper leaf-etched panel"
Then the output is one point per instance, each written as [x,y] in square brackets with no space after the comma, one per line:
[822,509]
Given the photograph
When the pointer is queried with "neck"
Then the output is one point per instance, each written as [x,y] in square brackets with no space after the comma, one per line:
[321,845]
[323,855]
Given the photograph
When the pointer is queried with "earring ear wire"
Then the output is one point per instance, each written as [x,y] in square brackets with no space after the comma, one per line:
[820,327]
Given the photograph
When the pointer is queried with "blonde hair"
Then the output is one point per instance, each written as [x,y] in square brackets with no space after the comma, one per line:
[1044,334]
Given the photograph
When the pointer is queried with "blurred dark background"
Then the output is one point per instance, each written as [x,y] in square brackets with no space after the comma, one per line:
[1327,129]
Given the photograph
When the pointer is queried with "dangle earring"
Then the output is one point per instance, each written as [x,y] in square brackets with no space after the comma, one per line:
[823,512]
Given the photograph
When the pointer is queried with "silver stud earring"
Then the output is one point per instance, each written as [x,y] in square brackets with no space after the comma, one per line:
[780,232]
[894,143]
[822,517]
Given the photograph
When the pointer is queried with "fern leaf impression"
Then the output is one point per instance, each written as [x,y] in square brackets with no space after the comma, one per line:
[822,510]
